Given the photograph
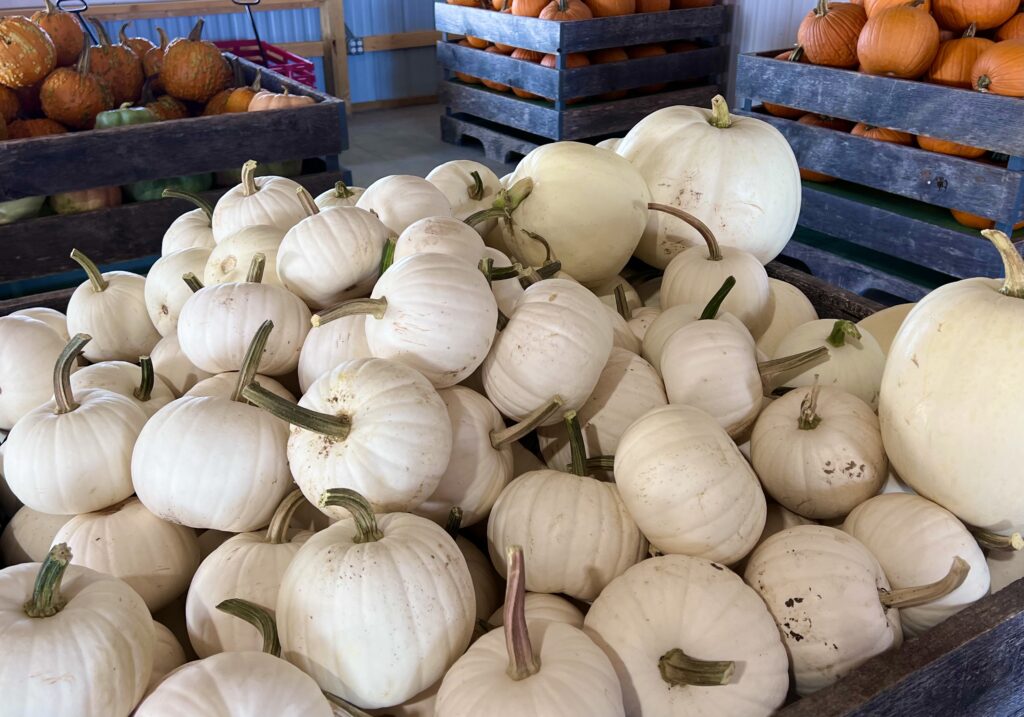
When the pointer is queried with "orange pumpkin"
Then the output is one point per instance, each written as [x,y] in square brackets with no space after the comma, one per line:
[1012,29]
[566,10]
[899,42]
[477,42]
[166,107]
[686,4]
[3,128]
[794,55]
[265,100]
[193,69]
[465,3]
[153,60]
[604,57]
[528,8]
[829,33]
[117,66]
[682,46]
[872,7]
[833,123]
[574,59]
[1000,69]
[74,96]
[957,15]
[9,103]
[976,222]
[653,50]
[653,5]
[139,45]
[27,54]
[498,86]
[64,31]
[526,56]
[28,99]
[955,59]
[881,134]
[239,98]
[462,76]
[24,129]
[943,146]
[611,8]
[217,103]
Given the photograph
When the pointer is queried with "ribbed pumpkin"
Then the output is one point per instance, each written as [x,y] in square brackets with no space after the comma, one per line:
[882,134]
[528,8]
[526,56]
[652,50]
[10,104]
[74,96]
[217,104]
[653,5]
[1012,29]
[953,64]
[193,69]
[975,222]
[23,129]
[829,33]
[899,42]
[284,100]
[605,56]
[833,123]
[27,54]
[794,55]
[239,98]
[943,146]
[166,107]
[611,8]
[957,15]
[1000,69]
[477,42]
[563,10]
[64,31]
[139,45]
[873,7]
[153,60]
[117,65]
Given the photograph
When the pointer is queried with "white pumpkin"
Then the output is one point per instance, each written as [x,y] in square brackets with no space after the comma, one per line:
[606,291]
[591,226]
[329,344]
[622,335]
[466,193]
[688,487]
[1005,568]
[822,587]
[332,255]
[778,519]
[557,342]
[736,174]
[172,365]
[400,199]
[168,655]
[247,566]
[791,309]
[156,558]
[506,291]
[818,451]
[523,461]
[257,200]
[915,541]
[488,586]
[373,425]
[72,621]
[530,668]
[30,349]
[190,230]
[340,195]
[408,569]
[440,235]
[543,606]
[111,308]
[687,637]
[641,320]
[671,320]
[855,360]
[224,385]
[9,503]
[231,258]
[165,292]
[28,535]
[610,144]
[949,409]
[73,453]
[421,705]
[138,383]
[885,324]
[51,317]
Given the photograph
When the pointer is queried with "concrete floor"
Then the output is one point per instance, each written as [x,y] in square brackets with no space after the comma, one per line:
[403,141]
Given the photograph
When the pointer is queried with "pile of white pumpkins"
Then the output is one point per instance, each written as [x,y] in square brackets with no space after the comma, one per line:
[717,503]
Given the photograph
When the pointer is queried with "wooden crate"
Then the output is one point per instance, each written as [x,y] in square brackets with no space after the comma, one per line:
[474,110]
[903,214]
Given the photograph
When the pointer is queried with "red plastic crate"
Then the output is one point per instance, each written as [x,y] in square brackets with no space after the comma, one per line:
[281,61]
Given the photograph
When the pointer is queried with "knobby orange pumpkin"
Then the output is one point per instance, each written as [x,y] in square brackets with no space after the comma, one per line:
[1000,69]
[611,8]
[499,86]
[976,222]
[528,8]
[9,103]
[117,66]
[526,56]
[64,31]
[637,52]
[943,146]
[833,123]
[955,59]
[193,69]
[794,55]
[605,56]
[23,129]
[829,33]
[74,96]
[139,45]
[1012,29]
[566,10]
[901,41]
[871,7]
[653,5]
[957,15]
[27,54]
[881,134]
[166,107]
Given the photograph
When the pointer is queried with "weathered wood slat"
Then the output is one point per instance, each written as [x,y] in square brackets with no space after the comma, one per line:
[528,76]
[533,116]
[981,120]
[911,172]
[499,143]
[593,120]
[831,302]
[525,32]
[51,300]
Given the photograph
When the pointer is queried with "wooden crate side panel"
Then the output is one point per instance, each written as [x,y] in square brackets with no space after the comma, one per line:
[594,120]
[526,32]
[525,75]
[973,118]
[911,172]
[529,116]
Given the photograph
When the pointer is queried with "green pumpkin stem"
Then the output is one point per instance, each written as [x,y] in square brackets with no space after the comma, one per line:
[84,61]
[49,8]
[680,670]
[258,617]
[46,600]
[248,174]
[91,270]
[521,660]
[809,418]
[506,202]
[996,541]
[101,32]
[971,30]
[454,522]
[123,35]
[195,199]
[341,190]
[144,391]
[387,255]
[504,437]
[251,361]
[62,394]
[306,200]
[193,281]
[367,530]
[162,34]
[280,522]
[325,424]
[797,54]
[714,250]
[715,304]
[923,594]
[841,331]
[770,369]
[476,192]
[821,9]
[353,307]
[720,108]
[577,447]
[622,302]
[196,33]
[256,268]
[1013,264]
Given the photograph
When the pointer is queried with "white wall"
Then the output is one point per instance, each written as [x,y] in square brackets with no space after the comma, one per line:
[760,25]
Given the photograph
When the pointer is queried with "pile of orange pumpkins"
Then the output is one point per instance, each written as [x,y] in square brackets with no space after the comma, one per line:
[970,44]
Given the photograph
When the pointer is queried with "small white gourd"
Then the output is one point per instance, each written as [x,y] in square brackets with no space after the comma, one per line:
[138,383]
[30,349]
[165,292]
[51,317]
[330,343]
[257,200]
[340,195]
[190,230]
[28,535]
[231,258]
[671,320]
[440,235]
[469,187]
[791,309]
[172,365]
[399,200]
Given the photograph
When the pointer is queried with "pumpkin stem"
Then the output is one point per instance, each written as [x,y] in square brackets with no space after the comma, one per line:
[995,541]
[597,463]
[251,362]
[720,110]
[983,83]
[306,200]
[249,187]
[577,447]
[923,594]
[715,304]
[506,202]
[82,66]
[622,303]
[256,267]
[680,670]
[92,271]
[255,86]
[796,54]
[714,251]
[197,31]
[280,522]
[347,708]
[325,424]
[353,307]
[387,255]
[1013,264]
[145,390]
[521,661]
[101,32]
[122,34]
[46,600]
[500,439]
[195,199]
[62,394]
[163,37]
[841,331]
[809,418]
[769,369]
[367,530]
[341,190]
[822,8]
[971,30]
[193,281]
[454,522]
[258,617]
[548,255]
[50,8]
[476,192]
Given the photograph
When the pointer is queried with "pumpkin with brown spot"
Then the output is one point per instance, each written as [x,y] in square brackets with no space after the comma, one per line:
[27,54]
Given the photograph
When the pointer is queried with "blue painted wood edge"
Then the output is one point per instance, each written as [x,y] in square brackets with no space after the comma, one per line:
[973,118]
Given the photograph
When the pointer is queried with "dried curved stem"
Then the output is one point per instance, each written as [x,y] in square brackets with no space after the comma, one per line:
[46,600]
[1013,264]
[277,531]
[99,283]
[325,424]
[62,394]
[353,307]
[521,661]
[454,522]
[249,187]
[144,391]
[714,250]
[195,199]
[536,417]
[679,669]
[809,418]
[258,617]
[920,595]
[715,304]
[367,530]
[251,361]
[996,541]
